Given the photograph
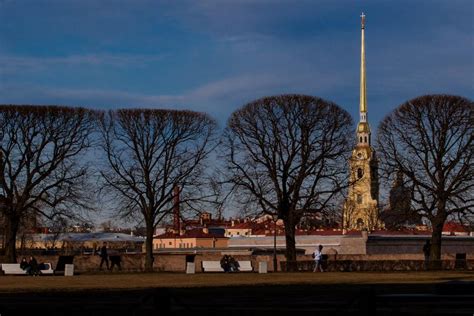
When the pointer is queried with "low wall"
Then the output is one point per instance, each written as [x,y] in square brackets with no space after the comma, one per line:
[382,265]
[400,245]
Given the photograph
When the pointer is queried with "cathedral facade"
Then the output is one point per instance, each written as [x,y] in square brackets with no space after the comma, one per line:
[362,203]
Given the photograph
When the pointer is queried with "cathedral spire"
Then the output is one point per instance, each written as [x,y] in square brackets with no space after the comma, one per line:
[363,129]
[363,93]
[361,205]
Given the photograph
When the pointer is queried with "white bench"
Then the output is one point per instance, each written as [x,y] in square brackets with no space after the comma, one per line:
[215,266]
[245,266]
[14,268]
[212,266]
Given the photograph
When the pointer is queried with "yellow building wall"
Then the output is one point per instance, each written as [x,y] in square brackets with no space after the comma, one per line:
[173,243]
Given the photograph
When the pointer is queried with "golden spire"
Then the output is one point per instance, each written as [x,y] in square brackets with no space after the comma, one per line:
[363,129]
[363,94]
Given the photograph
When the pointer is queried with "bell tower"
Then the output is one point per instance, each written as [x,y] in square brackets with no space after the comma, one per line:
[361,205]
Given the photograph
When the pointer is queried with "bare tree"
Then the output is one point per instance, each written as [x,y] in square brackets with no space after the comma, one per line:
[40,170]
[430,140]
[287,156]
[148,153]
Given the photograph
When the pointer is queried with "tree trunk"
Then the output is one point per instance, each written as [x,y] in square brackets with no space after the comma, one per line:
[11,230]
[435,252]
[290,251]
[437,226]
[149,249]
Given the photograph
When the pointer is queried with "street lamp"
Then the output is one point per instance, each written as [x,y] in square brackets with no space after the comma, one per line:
[275,219]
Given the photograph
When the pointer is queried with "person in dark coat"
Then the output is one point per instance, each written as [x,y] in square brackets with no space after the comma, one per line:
[104,256]
[33,264]
[233,264]
[225,263]
[24,265]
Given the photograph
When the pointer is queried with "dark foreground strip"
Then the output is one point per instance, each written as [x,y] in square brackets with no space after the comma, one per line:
[452,298]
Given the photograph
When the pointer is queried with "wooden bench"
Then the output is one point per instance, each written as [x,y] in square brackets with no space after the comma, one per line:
[215,266]
[14,268]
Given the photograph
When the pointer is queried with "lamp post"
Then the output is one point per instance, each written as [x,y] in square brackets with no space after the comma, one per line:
[275,219]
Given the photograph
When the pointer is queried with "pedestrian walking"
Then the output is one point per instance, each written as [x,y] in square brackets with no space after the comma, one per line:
[318,259]
[104,256]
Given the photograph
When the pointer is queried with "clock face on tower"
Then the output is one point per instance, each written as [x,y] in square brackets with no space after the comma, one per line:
[360,155]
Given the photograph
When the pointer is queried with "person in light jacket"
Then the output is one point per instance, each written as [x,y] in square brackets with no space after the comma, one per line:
[318,258]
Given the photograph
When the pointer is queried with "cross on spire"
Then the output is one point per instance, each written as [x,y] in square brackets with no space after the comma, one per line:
[363,20]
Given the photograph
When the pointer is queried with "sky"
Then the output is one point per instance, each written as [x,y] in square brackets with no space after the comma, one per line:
[216,56]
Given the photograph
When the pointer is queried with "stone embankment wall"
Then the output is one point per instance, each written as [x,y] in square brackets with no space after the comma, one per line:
[382,265]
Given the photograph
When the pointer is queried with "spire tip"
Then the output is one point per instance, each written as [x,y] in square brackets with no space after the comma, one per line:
[362,20]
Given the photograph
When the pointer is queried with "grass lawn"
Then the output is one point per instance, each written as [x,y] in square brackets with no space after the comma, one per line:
[117,281]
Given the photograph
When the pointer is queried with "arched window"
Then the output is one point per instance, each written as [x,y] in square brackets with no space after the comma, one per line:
[360,222]
[359,173]
[359,198]
[360,139]
[365,139]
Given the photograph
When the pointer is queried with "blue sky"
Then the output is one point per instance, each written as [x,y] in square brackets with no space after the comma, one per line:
[215,56]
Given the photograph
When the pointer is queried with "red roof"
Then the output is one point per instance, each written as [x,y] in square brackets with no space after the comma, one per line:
[455,227]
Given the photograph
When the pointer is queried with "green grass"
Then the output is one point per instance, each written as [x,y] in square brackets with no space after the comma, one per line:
[12,284]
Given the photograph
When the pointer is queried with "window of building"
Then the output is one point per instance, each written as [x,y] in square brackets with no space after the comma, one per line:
[359,198]
[360,173]
[170,243]
[360,139]
[365,139]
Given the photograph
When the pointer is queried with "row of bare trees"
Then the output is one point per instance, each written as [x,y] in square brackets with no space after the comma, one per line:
[285,156]
[48,155]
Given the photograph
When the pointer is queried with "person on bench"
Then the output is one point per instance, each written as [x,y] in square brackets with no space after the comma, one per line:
[33,264]
[225,263]
[233,264]
[24,265]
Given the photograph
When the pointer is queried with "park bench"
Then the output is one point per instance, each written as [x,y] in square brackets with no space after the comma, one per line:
[215,266]
[212,266]
[14,268]
[245,266]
